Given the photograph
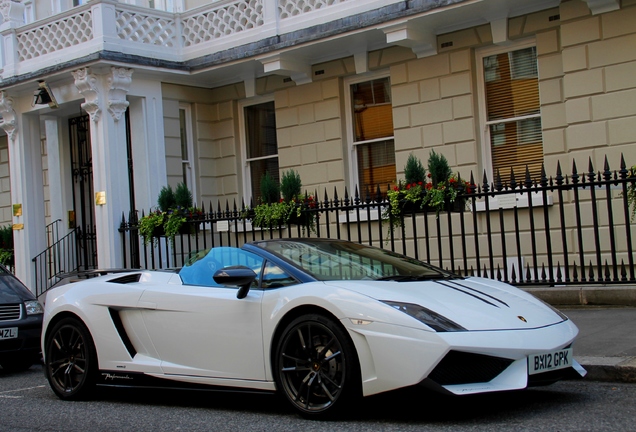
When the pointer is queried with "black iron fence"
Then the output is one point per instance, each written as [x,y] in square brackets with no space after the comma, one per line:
[557,230]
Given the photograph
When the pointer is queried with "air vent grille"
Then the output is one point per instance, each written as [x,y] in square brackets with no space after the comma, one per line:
[129,278]
[10,312]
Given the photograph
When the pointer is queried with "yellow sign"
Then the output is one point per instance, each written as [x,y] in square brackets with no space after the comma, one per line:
[17,227]
[17,209]
[100,198]
[71,219]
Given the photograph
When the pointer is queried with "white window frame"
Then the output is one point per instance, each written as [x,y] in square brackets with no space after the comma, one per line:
[350,136]
[480,54]
[245,161]
[188,163]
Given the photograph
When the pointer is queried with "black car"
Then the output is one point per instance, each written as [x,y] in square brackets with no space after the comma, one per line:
[20,324]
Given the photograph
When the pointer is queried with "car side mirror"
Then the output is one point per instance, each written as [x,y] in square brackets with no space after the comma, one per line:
[236,276]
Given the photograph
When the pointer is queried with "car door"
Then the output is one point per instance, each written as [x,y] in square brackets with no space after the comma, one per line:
[204,330]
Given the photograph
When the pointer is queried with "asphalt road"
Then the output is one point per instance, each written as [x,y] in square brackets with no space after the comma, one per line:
[28,404]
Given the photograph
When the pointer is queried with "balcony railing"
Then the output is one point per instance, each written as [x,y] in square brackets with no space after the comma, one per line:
[107,25]
[563,230]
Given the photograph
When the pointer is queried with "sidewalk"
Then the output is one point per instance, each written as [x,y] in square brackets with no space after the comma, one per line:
[606,345]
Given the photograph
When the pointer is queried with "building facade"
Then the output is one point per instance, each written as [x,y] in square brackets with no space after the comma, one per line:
[104,102]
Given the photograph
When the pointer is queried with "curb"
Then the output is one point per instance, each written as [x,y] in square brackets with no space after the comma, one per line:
[609,369]
[599,295]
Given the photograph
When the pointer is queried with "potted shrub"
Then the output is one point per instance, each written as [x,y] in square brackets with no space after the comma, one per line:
[275,211]
[174,215]
[151,226]
[435,191]
[406,196]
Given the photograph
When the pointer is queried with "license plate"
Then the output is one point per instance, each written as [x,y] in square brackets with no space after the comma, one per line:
[9,333]
[549,361]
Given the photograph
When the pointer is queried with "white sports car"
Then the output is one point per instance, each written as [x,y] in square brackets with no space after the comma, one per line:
[324,322]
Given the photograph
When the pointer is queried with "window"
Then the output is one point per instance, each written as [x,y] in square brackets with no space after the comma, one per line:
[275,277]
[371,125]
[261,145]
[512,111]
[185,134]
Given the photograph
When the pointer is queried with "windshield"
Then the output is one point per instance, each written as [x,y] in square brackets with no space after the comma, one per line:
[336,260]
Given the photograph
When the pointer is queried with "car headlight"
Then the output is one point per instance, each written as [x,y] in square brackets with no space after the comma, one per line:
[432,319]
[33,307]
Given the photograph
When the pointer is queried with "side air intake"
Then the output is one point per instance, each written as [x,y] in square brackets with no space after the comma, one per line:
[129,278]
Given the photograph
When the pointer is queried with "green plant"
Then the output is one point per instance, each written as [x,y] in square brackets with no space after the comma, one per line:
[398,197]
[182,196]
[173,221]
[631,195]
[6,237]
[417,193]
[290,185]
[6,245]
[167,199]
[414,171]
[273,214]
[438,168]
[270,189]
[175,209]
[149,224]
[281,211]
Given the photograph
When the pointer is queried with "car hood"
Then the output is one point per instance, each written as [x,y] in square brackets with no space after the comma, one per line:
[12,291]
[473,303]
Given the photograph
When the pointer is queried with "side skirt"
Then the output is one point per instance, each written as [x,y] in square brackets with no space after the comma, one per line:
[120,379]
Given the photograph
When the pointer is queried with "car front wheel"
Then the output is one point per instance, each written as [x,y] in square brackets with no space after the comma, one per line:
[70,360]
[316,367]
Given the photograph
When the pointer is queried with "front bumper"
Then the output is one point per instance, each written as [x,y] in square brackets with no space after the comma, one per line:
[392,356]
[27,344]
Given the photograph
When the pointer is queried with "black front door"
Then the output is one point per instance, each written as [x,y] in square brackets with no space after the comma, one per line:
[83,193]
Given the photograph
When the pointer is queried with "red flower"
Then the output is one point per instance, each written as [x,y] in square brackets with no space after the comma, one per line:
[429,186]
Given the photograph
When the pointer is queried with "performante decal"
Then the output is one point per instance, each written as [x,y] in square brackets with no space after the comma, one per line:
[112,376]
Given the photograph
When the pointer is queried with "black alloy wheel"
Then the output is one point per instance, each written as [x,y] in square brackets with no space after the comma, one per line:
[71,360]
[316,367]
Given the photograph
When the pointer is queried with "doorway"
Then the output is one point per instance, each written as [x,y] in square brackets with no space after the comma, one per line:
[83,192]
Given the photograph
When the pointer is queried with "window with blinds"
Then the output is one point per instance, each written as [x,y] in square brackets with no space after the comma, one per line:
[262,144]
[373,134]
[513,112]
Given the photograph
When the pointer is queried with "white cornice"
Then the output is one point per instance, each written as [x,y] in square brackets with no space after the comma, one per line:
[602,6]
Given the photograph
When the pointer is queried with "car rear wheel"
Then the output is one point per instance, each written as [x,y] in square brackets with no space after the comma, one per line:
[71,360]
[316,367]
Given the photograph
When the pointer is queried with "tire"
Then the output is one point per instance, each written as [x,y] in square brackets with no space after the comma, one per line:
[316,367]
[71,360]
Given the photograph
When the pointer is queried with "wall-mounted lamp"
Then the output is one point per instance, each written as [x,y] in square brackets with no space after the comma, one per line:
[43,96]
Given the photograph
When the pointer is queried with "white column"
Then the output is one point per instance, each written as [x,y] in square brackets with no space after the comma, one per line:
[25,160]
[148,146]
[105,96]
